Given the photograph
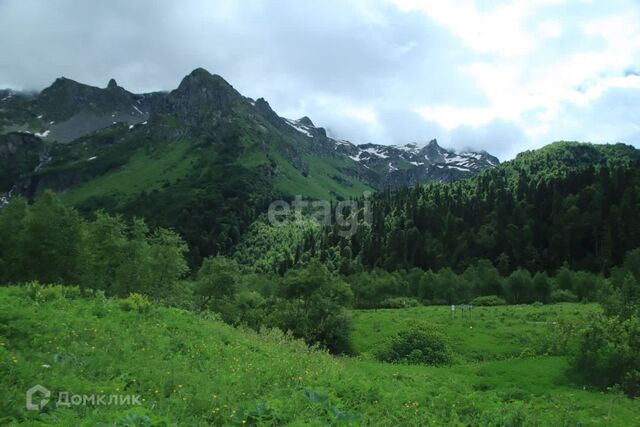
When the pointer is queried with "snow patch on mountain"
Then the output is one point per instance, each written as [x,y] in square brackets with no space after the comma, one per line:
[299,127]
[459,168]
[379,152]
[409,148]
[454,158]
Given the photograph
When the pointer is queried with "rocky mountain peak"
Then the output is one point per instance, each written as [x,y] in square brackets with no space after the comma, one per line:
[265,110]
[200,73]
[433,143]
[62,84]
[201,100]
[203,103]
[306,121]
[201,79]
[201,88]
[112,84]
[262,104]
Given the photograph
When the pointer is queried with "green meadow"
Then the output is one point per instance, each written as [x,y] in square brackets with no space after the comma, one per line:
[479,334]
[193,370]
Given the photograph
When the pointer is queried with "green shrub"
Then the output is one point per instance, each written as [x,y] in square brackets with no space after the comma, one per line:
[488,301]
[399,302]
[622,296]
[249,309]
[180,295]
[563,295]
[99,305]
[311,304]
[44,293]
[608,353]
[518,287]
[560,338]
[317,321]
[135,302]
[217,281]
[421,344]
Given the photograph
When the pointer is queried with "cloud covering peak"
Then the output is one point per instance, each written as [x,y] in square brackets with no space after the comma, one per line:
[499,76]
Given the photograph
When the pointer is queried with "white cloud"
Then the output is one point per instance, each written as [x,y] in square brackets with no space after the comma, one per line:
[451,118]
[568,61]
[498,30]
[550,29]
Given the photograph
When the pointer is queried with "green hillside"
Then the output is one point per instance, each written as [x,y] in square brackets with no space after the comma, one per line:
[568,202]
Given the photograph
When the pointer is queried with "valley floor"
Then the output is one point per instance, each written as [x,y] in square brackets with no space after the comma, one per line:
[194,370]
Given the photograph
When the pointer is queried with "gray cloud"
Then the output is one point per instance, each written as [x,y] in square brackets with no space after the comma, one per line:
[360,68]
[500,137]
[613,117]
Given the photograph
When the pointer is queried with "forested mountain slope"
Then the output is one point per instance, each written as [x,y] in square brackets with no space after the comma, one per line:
[565,203]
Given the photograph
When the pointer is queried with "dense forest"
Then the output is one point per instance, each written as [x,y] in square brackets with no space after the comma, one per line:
[566,208]
[569,203]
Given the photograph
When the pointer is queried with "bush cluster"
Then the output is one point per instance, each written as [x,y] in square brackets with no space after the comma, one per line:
[136,302]
[488,301]
[420,344]
[609,345]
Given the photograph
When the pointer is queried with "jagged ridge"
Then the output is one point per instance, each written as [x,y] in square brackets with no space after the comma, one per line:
[402,165]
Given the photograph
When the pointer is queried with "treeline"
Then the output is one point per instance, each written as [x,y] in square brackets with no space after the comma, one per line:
[51,243]
[382,289]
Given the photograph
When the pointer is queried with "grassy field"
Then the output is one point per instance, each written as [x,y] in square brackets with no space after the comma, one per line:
[319,184]
[194,371]
[484,333]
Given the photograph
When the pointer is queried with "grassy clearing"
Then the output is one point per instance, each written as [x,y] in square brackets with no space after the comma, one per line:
[145,171]
[485,333]
[194,370]
[320,182]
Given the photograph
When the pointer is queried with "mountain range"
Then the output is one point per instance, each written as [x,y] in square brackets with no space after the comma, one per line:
[202,159]
[93,121]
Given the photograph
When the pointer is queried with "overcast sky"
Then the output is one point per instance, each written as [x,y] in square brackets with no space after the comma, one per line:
[499,76]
